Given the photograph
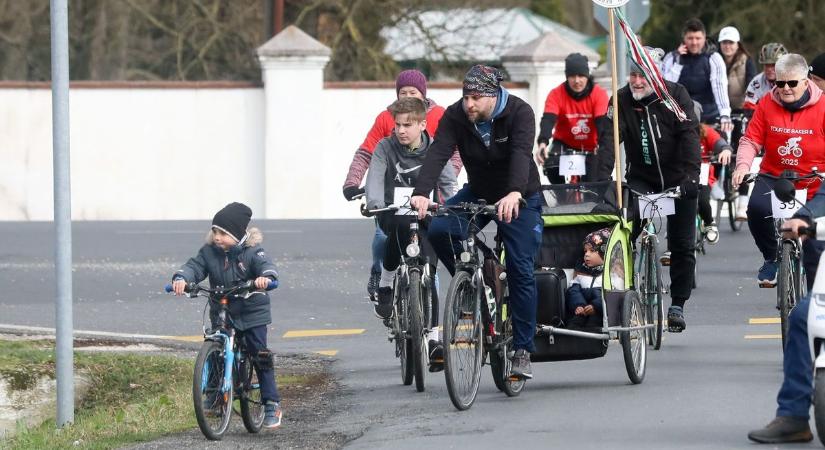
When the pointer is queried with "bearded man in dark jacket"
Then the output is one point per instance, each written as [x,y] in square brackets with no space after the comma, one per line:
[663,152]
[494,132]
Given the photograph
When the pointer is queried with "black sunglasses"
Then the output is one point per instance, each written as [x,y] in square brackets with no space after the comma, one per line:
[790,83]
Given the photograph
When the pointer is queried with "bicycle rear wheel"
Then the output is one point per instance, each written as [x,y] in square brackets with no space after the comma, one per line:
[417,335]
[500,364]
[213,407]
[462,340]
[252,407]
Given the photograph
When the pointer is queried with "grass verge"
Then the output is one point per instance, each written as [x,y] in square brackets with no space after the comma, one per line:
[132,397]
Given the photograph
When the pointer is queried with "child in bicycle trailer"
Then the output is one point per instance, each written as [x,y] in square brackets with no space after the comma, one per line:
[584,296]
[395,165]
[232,255]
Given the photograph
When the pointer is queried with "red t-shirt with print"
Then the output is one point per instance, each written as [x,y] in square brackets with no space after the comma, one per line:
[793,141]
[575,126]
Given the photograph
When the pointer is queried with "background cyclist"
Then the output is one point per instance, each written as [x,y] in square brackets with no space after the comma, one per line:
[574,112]
[697,66]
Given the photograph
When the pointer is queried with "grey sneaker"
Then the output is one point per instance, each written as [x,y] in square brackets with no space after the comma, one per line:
[272,415]
[782,430]
[521,365]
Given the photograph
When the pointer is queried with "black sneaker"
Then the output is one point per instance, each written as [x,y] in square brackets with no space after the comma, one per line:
[521,365]
[372,285]
[383,308]
[676,319]
[436,356]
[782,430]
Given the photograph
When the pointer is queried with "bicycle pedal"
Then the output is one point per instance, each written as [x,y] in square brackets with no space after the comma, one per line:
[767,285]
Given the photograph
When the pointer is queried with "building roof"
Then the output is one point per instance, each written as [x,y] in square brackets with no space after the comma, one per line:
[469,34]
[550,46]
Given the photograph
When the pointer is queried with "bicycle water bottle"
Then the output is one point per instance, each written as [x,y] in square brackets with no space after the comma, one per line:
[491,300]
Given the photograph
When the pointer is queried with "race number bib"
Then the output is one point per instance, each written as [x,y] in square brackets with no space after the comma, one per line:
[704,174]
[401,199]
[572,165]
[786,210]
[655,205]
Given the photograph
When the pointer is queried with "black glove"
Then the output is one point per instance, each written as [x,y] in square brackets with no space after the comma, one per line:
[351,191]
[689,189]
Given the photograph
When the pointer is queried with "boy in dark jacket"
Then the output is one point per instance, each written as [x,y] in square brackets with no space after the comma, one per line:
[232,255]
[584,297]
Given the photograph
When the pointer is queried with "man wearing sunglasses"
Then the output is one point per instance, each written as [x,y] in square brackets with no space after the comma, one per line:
[788,124]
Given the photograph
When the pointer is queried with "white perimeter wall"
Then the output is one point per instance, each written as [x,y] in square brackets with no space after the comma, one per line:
[168,153]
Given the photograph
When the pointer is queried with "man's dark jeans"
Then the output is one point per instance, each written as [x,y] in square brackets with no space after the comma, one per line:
[521,237]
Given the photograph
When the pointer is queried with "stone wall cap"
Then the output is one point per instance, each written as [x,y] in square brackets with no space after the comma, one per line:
[550,46]
[293,41]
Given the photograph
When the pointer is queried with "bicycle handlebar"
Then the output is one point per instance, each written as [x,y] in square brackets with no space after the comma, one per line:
[194,288]
[674,192]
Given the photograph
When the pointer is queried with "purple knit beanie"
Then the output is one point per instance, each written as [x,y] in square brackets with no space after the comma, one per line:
[412,78]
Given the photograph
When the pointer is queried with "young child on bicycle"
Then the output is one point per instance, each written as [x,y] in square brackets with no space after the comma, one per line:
[584,296]
[232,255]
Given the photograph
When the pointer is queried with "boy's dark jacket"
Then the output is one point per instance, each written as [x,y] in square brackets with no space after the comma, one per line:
[246,261]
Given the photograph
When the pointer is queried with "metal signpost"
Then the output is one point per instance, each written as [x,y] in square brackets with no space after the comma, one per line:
[64,371]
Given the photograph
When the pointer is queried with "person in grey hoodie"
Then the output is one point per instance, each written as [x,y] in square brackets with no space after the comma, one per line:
[395,164]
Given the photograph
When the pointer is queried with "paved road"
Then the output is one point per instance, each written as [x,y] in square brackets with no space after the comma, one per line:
[705,389]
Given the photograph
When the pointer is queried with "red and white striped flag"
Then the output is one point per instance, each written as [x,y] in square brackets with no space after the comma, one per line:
[640,56]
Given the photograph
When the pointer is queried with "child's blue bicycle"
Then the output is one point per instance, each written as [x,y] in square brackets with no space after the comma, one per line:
[224,369]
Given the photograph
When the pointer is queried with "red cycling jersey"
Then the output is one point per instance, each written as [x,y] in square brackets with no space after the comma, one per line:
[792,140]
[575,127]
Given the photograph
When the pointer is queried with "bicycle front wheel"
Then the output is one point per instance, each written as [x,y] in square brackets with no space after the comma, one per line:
[252,407]
[403,349]
[213,406]
[652,296]
[462,340]
[418,341]
[788,285]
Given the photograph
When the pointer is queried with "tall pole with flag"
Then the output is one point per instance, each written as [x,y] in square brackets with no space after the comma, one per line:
[611,5]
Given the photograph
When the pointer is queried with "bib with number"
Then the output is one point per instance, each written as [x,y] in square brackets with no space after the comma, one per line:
[786,210]
[704,174]
[572,165]
[401,199]
[656,205]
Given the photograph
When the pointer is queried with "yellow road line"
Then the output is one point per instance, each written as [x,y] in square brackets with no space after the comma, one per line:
[763,320]
[318,333]
[763,336]
[327,352]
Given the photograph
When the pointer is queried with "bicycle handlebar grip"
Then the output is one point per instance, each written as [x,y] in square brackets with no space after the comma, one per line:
[272,285]
[168,288]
